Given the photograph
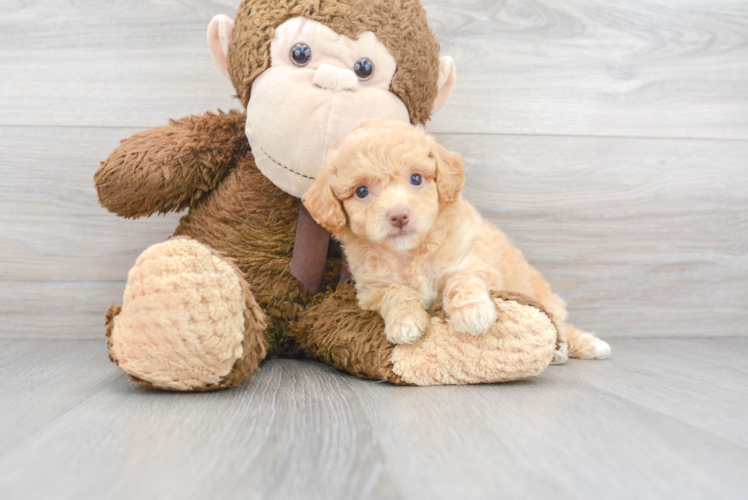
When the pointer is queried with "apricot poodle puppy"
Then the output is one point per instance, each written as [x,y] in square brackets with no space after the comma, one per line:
[391,195]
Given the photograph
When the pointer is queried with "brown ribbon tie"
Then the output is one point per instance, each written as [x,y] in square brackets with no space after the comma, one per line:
[310,253]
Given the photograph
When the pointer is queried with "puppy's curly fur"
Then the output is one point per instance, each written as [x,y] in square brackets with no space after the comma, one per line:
[391,195]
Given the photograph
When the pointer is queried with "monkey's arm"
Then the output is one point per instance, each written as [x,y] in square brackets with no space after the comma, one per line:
[170,168]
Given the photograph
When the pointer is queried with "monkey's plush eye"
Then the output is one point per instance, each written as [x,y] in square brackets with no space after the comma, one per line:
[301,54]
[363,68]
[362,192]
[416,179]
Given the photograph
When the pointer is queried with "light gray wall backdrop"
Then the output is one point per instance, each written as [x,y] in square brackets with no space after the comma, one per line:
[609,139]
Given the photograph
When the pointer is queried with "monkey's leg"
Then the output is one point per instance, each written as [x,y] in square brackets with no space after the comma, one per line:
[188,321]
[521,344]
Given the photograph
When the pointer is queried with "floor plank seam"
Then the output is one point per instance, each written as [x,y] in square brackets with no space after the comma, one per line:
[64,410]
[656,411]
[433,132]
[589,136]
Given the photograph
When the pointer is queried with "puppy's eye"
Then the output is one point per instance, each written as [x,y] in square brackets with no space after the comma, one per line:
[362,192]
[416,179]
[363,68]
[301,54]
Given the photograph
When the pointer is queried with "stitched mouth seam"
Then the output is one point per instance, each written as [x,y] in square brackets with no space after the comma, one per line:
[281,165]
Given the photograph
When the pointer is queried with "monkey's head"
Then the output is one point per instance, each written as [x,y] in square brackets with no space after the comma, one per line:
[307,71]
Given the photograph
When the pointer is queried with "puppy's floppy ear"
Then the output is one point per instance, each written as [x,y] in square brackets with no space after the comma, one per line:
[321,202]
[450,174]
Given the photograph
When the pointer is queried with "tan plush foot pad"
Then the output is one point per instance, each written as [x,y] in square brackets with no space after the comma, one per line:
[182,320]
[520,345]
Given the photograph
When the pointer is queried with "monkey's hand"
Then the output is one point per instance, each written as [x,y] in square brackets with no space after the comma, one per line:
[169,168]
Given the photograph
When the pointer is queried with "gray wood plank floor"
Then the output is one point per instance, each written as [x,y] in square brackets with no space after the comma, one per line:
[664,418]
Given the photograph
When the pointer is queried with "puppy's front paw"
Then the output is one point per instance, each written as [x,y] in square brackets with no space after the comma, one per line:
[407,328]
[474,318]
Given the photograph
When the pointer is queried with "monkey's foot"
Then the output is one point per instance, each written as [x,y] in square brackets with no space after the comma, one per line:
[188,321]
[520,344]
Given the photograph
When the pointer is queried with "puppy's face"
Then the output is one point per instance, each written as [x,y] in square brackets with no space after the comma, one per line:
[385,182]
[389,193]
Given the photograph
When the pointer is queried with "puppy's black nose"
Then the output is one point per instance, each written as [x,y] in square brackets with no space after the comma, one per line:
[399,219]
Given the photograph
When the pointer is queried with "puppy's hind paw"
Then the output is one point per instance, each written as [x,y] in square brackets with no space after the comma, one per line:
[561,355]
[601,349]
[474,318]
[585,346]
[407,329]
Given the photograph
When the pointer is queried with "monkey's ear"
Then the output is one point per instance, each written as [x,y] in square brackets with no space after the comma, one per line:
[446,82]
[219,36]
[450,172]
[321,202]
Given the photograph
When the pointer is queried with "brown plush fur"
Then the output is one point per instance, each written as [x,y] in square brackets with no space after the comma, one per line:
[335,331]
[250,219]
[400,25]
[172,167]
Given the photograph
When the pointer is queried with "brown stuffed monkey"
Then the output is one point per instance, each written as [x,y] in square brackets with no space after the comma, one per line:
[240,279]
